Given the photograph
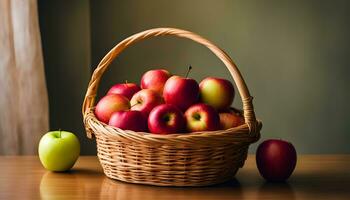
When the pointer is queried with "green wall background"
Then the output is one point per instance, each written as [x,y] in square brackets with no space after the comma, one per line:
[292,54]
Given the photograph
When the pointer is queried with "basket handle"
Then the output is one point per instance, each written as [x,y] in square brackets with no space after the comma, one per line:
[248,108]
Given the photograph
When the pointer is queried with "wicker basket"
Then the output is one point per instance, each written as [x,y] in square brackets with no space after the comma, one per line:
[193,159]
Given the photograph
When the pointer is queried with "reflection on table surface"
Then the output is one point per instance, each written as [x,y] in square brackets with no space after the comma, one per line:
[316,177]
[83,184]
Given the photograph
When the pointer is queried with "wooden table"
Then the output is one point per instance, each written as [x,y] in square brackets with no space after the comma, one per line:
[316,177]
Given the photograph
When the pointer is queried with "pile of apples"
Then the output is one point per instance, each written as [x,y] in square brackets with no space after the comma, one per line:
[168,103]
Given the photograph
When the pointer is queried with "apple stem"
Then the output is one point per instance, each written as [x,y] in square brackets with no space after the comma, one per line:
[59,135]
[126,81]
[188,71]
[134,104]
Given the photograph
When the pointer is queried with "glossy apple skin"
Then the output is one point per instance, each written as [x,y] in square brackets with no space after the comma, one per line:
[165,119]
[276,159]
[181,92]
[110,104]
[129,120]
[145,100]
[202,117]
[59,151]
[230,119]
[155,80]
[217,92]
[126,89]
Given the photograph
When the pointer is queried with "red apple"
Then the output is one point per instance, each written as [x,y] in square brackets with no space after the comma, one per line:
[276,159]
[126,89]
[165,119]
[110,104]
[202,117]
[145,100]
[129,120]
[217,92]
[155,80]
[181,92]
[230,119]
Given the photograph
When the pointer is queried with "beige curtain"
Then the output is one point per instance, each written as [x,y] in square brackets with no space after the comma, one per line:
[23,94]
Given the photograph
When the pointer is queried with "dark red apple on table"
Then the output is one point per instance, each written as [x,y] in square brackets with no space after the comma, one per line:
[276,159]
[129,120]
[145,100]
[110,104]
[165,119]
[202,117]
[181,92]
[217,92]
[230,119]
[155,80]
[126,89]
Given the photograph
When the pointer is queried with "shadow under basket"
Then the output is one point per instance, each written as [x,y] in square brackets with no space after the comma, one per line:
[187,159]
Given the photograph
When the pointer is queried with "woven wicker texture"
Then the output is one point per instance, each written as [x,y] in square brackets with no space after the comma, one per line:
[192,159]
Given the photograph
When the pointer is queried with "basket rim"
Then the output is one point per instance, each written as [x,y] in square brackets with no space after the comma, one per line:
[243,133]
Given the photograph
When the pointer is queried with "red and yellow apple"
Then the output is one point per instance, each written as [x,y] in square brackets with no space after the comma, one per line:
[129,120]
[165,119]
[155,80]
[202,117]
[230,119]
[217,92]
[110,104]
[145,100]
[126,89]
[181,92]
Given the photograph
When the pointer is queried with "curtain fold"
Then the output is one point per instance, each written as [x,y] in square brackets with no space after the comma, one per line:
[23,93]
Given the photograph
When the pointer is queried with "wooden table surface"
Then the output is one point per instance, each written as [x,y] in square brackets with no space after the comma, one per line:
[315,177]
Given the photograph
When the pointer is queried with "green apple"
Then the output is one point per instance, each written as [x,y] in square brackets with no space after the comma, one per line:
[59,150]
